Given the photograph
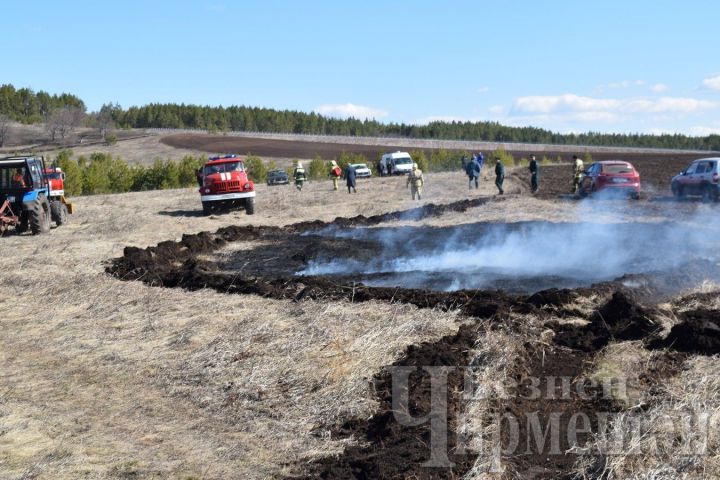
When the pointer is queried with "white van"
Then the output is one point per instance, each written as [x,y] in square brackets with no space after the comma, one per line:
[397,163]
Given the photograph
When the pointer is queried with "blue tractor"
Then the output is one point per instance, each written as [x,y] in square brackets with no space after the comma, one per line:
[27,199]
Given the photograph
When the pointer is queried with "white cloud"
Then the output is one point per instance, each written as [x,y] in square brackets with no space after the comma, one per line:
[703,131]
[575,103]
[483,89]
[658,87]
[566,102]
[712,83]
[669,105]
[621,84]
[589,117]
[497,110]
[347,110]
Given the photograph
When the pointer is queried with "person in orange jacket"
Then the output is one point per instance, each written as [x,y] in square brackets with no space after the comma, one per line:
[18,180]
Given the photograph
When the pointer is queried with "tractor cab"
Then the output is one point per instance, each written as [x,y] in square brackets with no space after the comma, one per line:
[22,180]
[27,200]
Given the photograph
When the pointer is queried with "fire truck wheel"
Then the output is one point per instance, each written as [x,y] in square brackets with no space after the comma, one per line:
[207,208]
[39,214]
[250,206]
[58,213]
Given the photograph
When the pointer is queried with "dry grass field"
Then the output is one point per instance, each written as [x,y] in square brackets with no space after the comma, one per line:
[108,379]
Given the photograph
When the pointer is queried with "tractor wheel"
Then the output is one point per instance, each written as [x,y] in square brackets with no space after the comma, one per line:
[250,206]
[207,208]
[39,215]
[24,224]
[59,213]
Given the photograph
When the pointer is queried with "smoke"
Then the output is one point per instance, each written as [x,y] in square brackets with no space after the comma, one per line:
[524,257]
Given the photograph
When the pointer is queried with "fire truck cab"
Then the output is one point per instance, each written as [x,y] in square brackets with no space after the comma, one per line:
[225,184]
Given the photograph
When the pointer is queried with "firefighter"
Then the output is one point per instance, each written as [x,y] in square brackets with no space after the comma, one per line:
[499,175]
[335,174]
[299,175]
[350,178]
[18,180]
[415,181]
[578,170]
[534,172]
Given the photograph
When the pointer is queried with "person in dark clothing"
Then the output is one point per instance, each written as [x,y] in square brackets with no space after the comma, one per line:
[463,162]
[534,173]
[499,175]
[350,178]
[473,172]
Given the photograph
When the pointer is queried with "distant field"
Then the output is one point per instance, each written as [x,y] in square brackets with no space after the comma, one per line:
[145,146]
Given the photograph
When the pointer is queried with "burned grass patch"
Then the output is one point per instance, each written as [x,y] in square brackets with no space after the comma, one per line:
[566,329]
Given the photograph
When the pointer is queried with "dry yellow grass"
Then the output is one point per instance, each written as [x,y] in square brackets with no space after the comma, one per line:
[107,379]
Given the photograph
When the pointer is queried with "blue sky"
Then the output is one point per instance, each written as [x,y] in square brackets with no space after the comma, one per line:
[612,66]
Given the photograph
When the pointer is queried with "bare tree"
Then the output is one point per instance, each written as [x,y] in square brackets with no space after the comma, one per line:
[62,122]
[104,121]
[4,129]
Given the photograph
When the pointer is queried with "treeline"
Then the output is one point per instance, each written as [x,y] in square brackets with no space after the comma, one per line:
[103,173]
[254,119]
[26,106]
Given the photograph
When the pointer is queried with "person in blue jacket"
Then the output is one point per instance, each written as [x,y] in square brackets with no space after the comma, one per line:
[350,179]
[480,160]
[473,172]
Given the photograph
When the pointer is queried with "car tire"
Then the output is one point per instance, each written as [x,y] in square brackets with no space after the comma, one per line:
[681,193]
[706,195]
[207,208]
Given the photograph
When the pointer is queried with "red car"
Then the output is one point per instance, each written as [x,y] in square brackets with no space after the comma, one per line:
[611,177]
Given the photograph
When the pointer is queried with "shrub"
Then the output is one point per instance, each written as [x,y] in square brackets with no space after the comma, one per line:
[120,176]
[256,169]
[111,138]
[545,161]
[73,174]
[419,157]
[317,169]
[524,162]
[95,178]
[505,158]
[271,165]
[188,168]
[443,160]
[587,158]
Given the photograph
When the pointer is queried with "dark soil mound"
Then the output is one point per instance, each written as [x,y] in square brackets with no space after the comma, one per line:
[699,332]
[391,450]
[621,318]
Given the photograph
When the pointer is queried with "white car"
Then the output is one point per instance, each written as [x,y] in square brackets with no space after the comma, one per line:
[361,170]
